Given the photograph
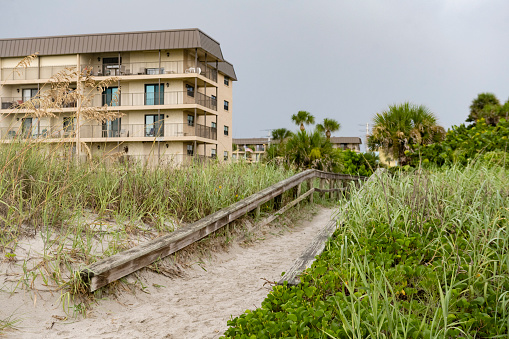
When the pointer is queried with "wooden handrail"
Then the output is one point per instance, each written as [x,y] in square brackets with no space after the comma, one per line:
[119,265]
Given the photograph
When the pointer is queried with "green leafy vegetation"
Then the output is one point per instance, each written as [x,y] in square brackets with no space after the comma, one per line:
[463,144]
[401,127]
[421,255]
[312,149]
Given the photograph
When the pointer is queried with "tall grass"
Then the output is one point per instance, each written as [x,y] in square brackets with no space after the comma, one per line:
[83,212]
[420,255]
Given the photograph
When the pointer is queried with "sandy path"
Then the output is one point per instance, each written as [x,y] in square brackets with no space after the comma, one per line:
[198,305]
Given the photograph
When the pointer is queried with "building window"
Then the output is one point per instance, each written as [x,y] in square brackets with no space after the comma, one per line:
[190,120]
[227,80]
[110,97]
[190,90]
[213,153]
[154,94]
[213,125]
[29,93]
[189,149]
[226,105]
[68,125]
[154,125]
[225,156]
[225,130]
[111,128]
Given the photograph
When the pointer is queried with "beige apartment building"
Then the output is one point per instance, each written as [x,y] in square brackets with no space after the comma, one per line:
[173,89]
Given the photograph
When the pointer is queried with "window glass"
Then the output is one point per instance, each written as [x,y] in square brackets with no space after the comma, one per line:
[225,130]
[226,105]
[227,80]
[190,120]
[190,90]
[154,125]
[213,125]
[189,149]
[154,94]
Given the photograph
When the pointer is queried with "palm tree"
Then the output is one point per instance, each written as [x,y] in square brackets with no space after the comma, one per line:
[281,134]
[303,118]
[400,127]
[328,126]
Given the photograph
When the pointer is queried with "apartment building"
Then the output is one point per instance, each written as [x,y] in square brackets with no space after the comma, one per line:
[250,149]
[173,89]
[351,143]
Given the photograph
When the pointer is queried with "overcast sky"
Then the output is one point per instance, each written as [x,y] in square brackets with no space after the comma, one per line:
[345,60]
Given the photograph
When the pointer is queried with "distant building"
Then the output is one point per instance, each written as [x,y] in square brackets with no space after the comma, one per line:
[351,143]
[251,149]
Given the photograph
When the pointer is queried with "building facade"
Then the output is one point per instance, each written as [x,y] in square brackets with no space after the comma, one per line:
[250,149]
[172,90]
[350,143]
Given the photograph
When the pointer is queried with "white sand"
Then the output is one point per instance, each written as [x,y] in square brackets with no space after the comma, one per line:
[195,306]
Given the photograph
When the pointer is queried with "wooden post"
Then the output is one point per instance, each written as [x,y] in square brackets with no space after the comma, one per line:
[331,185]
[322,184]
[310,186]
[339,184]
[278,199]
[257,212]
[299,187]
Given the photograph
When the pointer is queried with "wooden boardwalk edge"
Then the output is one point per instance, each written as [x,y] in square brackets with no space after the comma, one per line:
[119,265]
[317,245]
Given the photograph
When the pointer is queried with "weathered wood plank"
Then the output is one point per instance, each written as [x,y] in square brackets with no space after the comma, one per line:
[307,257]
[119,265]
[317,245]
[284,209]
[326,190]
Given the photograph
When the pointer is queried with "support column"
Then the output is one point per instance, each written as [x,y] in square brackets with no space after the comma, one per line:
[322,184]
[195,96]
[78,88]
[205,116]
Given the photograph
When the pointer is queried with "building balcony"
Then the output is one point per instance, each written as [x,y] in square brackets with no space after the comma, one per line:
[117,70]
[152,68]
[15,102]
[154,99]
[130,100]
[111,132]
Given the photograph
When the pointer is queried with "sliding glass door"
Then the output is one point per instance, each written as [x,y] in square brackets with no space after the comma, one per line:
[154,94]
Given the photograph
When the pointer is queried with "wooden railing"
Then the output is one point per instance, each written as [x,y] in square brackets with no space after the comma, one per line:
[317,245]
[119,265]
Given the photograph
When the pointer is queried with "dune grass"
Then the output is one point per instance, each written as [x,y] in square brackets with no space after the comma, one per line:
[82,212]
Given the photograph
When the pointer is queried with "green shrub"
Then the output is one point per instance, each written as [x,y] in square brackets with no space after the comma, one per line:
[423,255]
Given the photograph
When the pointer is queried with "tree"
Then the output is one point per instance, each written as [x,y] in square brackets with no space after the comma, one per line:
[303,118]
[402,126]
[281,134]
[328,126]
[486,106]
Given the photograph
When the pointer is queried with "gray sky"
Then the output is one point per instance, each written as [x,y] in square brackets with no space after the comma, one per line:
[345,60]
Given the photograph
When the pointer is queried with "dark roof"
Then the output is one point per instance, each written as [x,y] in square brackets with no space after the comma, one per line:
[250,141]
[345,140]
[227,68]
[111,42]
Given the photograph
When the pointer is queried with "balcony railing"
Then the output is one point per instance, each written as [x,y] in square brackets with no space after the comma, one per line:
[35,132]
[14,102]
[157,130]
[164,98]
[152,68]
[123,69]
[32,73]
[163,130]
